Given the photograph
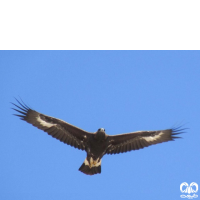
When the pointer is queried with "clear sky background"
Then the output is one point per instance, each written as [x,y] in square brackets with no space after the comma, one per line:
[121,91]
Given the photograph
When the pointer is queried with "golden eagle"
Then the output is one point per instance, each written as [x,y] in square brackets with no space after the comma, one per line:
[95,144]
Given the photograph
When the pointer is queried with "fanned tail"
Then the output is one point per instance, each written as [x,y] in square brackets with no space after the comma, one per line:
[91,168]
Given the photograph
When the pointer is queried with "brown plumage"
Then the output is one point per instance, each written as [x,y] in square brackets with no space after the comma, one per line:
[95,144]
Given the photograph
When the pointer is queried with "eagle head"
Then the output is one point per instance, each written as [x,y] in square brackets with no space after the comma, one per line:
[101,130]
[100,134]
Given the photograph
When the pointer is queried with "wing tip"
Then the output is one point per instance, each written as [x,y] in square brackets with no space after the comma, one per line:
[178,130]
[22,109]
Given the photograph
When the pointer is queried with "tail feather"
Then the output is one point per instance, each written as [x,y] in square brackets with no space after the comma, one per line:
[90,170]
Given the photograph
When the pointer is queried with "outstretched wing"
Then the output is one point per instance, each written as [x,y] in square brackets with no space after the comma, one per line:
[138,140]
[57,128]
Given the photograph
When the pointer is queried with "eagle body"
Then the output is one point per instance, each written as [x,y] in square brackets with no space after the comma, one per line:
[95,144]
[96,149]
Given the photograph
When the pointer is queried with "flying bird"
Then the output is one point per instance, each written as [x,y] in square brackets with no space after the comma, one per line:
[95,144]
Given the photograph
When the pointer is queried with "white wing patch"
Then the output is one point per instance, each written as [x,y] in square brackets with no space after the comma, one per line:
[153,138]
[43,123]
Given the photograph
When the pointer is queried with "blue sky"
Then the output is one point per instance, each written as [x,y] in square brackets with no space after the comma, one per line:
[121,91]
